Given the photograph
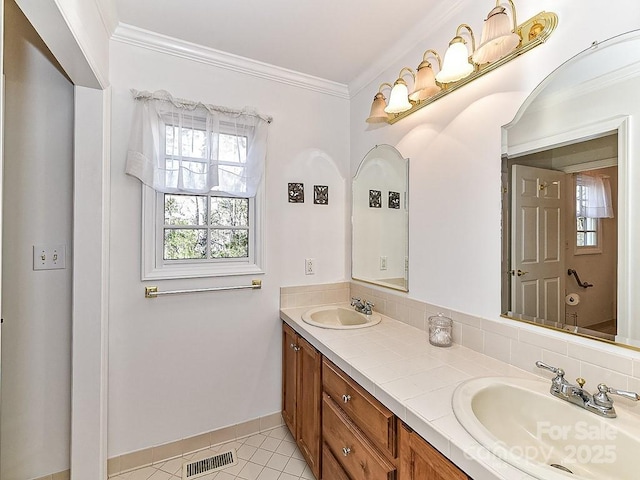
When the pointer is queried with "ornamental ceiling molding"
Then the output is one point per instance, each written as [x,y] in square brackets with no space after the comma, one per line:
[139,37]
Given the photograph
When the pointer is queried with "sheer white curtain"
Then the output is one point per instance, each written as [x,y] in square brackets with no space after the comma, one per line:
[594,200]
[179,146]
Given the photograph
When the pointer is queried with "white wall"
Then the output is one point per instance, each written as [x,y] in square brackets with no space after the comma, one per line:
[190,364]
[454,149]
[36,334]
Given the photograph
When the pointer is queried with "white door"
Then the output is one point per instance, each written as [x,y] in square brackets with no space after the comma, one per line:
[537,253]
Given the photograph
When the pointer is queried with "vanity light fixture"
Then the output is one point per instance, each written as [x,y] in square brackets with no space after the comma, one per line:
[426,86]
[499,37]
[399,99]
[456,65]
[377,114]
[502,41]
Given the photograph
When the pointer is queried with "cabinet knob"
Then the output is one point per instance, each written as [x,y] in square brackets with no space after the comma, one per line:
[346,398]
[294,347]
[346,451]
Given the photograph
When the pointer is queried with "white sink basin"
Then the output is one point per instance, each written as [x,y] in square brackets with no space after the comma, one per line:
[340,318]
[519,421]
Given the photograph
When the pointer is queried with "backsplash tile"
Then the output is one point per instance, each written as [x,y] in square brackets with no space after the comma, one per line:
[518,344]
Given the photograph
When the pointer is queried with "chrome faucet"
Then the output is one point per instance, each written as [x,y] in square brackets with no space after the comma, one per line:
[365,307]
[599,403]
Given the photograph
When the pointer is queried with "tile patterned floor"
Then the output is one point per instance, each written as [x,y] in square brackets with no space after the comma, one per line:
[270,455]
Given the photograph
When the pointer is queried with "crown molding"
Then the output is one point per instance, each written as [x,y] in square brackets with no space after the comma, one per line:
[139,37]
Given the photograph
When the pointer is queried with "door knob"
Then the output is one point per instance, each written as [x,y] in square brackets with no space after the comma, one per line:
[518,272]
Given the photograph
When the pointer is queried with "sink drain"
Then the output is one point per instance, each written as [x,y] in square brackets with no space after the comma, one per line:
[560,467]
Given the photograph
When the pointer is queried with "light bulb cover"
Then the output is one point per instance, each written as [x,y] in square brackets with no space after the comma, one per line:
[377,114]
[498,38]
[425,86]
[399,98]
[456,64]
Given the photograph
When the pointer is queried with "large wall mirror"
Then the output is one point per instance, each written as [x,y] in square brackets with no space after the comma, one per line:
[571,189]
[380,219]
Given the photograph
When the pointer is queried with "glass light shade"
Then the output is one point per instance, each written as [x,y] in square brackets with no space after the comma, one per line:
[399,99]
[425,83]
[377,114]
[456,64]
[498,39]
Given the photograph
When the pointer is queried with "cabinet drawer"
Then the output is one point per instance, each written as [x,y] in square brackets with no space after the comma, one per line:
[358,457]
[331,469]
[365,411]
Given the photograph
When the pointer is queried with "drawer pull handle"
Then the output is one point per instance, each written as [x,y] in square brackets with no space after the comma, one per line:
[346,398]
[346,451]
[295,347]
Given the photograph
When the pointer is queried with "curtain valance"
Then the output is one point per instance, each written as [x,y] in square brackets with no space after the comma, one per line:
[595,198]
[181,146]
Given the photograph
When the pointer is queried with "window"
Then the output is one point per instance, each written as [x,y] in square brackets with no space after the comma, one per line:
[587,228]
[198,235]
[205,228]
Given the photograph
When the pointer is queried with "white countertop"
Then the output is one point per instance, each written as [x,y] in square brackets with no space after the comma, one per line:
[396,364]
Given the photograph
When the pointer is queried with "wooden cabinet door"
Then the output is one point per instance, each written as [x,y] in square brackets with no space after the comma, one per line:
[331,469]
[289,377]
[359,458]
[420,461]
[309,404]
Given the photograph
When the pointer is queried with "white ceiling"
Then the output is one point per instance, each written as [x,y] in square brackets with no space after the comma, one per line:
[335,40]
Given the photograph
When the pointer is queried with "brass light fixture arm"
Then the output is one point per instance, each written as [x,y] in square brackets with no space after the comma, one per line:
[435,54]
[513,13]
[473,37]
[385,84]
[408,70]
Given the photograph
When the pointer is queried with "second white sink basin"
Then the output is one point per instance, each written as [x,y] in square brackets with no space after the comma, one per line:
[519,421]
[340,318]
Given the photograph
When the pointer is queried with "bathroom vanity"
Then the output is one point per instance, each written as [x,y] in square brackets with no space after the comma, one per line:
[342,430]
[358,437]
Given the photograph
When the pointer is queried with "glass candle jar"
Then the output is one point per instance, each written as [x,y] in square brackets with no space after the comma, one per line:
[440,330]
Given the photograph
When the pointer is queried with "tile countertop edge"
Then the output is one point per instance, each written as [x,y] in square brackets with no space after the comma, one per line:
[445,433]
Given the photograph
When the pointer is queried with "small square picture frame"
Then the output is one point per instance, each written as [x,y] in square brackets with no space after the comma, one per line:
[375,199]
[295,192]
[394,200]
[321,194]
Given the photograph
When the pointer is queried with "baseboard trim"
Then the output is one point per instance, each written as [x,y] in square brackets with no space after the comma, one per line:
[64,475]
[167,451]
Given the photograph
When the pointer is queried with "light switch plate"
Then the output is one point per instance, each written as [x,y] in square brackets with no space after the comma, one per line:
[49,257]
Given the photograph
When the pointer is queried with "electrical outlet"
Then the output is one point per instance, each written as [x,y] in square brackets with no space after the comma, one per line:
[49,257]
[383,263]
[309,266]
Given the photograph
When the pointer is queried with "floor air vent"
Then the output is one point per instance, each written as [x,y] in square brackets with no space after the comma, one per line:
[198,468]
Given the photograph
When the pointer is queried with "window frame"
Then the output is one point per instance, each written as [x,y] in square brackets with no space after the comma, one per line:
[155,267]
[586,249]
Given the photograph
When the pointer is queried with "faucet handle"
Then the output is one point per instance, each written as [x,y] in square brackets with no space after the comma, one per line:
[354,300]
[558,371]
[581,381]
[601,398]
[367,303]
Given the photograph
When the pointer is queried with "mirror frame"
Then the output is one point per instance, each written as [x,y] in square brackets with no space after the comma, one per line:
[405,205]
[621,125]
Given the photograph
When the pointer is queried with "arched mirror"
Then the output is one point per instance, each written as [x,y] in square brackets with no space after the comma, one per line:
[380,219]
[570,188]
